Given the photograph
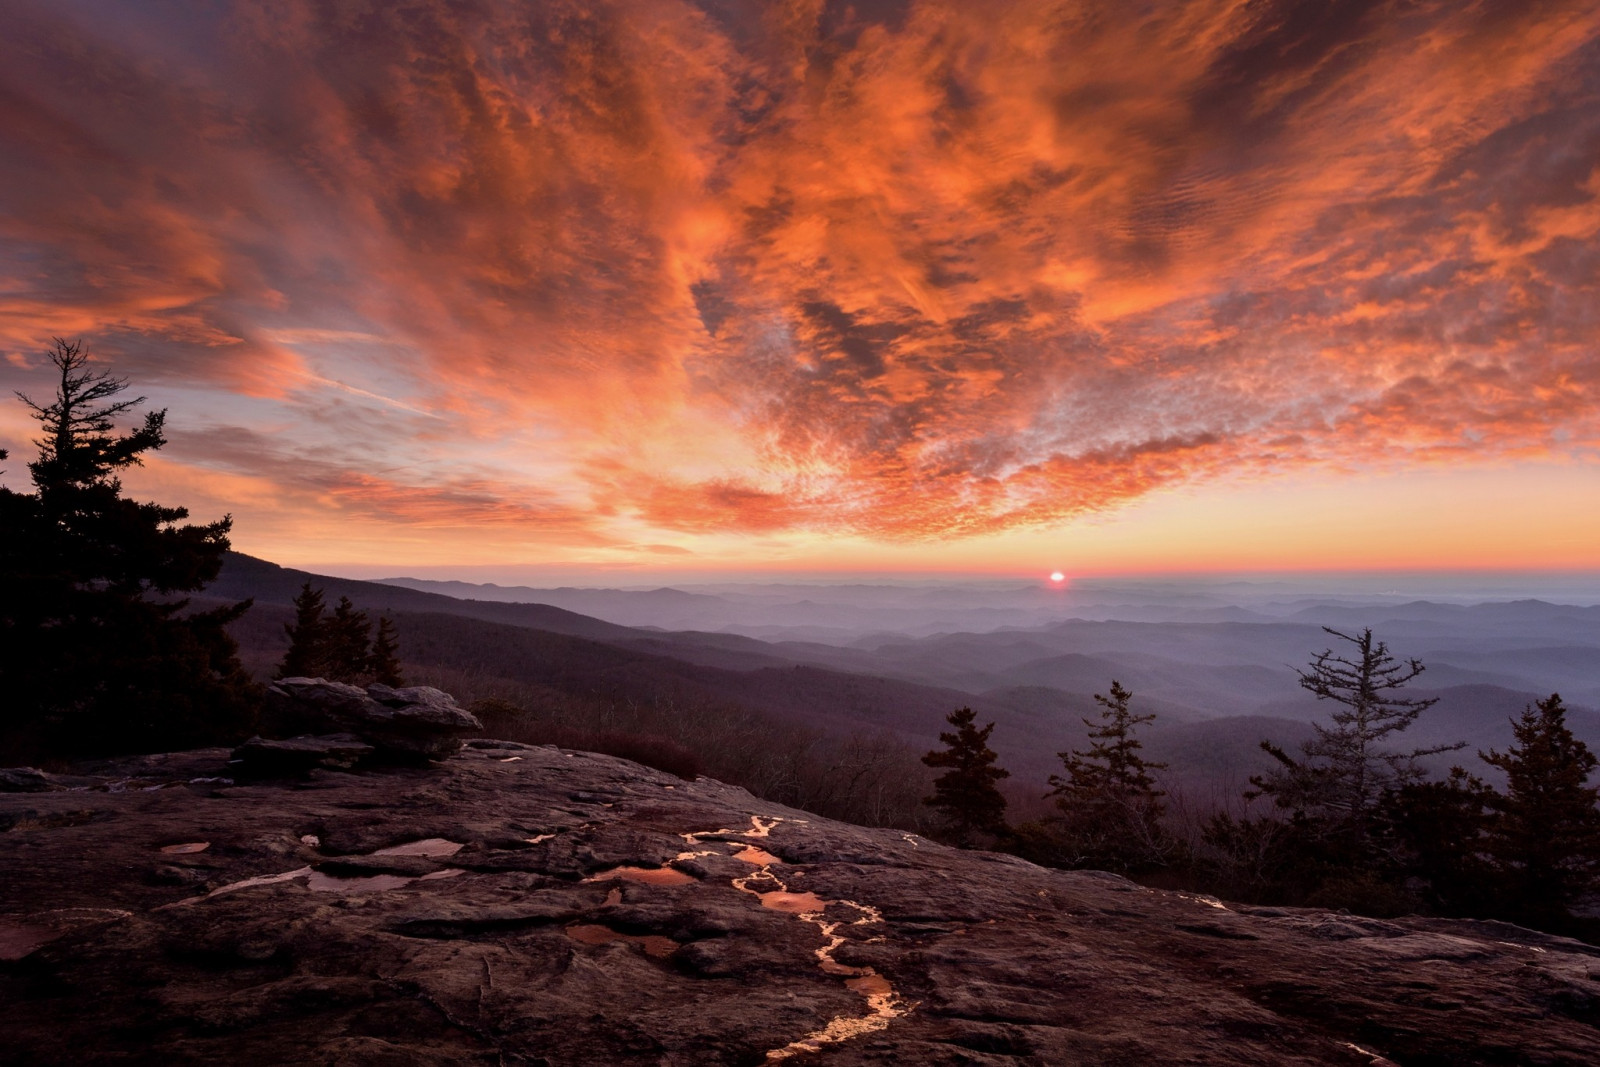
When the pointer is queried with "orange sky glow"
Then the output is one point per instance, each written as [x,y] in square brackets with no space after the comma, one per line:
[886,286]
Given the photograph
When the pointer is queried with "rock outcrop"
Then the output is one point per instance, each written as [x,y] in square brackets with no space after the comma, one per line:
[519,905]
[414,723]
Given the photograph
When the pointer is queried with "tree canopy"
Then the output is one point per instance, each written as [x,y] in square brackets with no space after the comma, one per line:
[339,646]
[966,791]
[99,650]
[1110,805]
[1545,838]
[1347,766]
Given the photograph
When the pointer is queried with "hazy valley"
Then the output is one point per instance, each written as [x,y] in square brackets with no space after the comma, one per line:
[1216,663]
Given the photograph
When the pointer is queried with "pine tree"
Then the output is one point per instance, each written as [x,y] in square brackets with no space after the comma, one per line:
[966,793]
[1112,766]
[384,663]
[1436,831]
[98,650]
[1545,837]
[1111,808]
[1346,768]
[349,639]
[307,655]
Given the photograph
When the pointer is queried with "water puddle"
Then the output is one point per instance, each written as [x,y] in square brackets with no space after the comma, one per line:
[324,883]
[883,1004]
[432,847]
[655,946]
[644,875]
[186,848]
[759,856]
[796,903]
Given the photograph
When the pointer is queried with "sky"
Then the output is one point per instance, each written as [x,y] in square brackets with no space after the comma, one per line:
[893,286]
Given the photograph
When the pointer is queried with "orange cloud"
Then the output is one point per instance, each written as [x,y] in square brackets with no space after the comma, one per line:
[932,268]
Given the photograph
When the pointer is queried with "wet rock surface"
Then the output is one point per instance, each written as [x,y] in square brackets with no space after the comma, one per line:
[163,914]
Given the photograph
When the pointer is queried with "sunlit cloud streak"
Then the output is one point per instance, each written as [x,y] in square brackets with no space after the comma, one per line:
[905,270]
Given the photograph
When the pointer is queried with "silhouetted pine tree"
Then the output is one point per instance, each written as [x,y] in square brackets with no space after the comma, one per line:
[1545,837]
[98,652]
[384,663]
[307,655]
[348,647]
[1345,768]
[1110,807]
[1434,833]
[966,792]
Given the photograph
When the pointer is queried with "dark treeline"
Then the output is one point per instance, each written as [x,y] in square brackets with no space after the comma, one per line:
[872,777]
[339,645]
[1350,821]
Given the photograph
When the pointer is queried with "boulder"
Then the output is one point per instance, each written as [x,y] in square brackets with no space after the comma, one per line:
[414,723]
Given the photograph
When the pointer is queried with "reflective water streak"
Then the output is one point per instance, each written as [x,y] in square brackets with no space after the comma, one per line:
[883,1004]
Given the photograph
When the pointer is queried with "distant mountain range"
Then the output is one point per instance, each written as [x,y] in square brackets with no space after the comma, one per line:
[1218,686]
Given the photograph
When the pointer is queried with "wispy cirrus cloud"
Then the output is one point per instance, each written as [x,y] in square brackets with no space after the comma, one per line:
[899,269]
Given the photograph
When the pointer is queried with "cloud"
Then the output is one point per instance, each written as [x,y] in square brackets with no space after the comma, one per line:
[311,486]
[908,270]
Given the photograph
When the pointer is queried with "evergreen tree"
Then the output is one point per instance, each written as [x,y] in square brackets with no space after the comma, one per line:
[966,792]
[1435,832]
[384,663]
[1111,808]
[349,641]
[307,655]
[1545,837]
[98,650]
[1346,767]
[1112,766]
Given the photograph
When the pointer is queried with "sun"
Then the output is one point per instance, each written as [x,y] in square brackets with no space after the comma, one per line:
[1057,576]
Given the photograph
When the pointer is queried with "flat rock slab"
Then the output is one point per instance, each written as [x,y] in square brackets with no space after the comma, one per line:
[597,912]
